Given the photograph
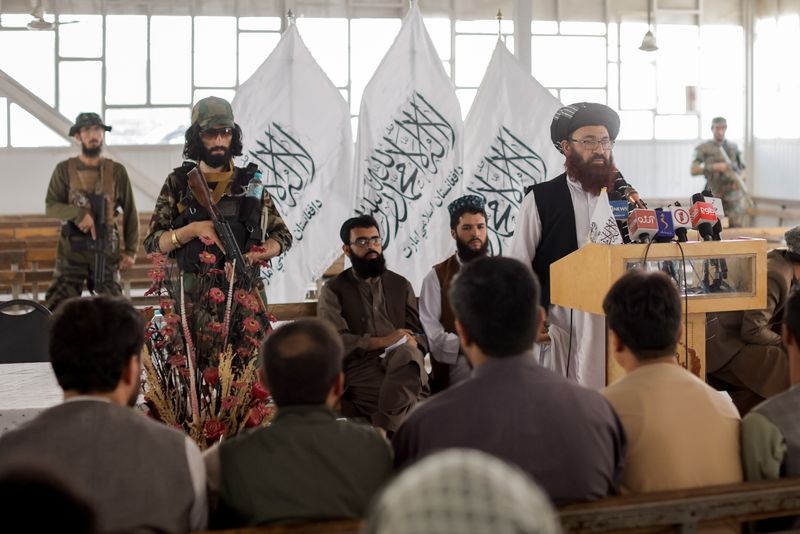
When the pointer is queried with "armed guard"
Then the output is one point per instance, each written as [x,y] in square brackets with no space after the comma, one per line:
[180,223]
[721,162]
[92,196]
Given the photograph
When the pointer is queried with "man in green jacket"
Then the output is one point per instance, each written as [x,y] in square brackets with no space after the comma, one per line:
[72,184]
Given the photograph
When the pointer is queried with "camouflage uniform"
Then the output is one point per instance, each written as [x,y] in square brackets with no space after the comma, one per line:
[727,185]
[74,268]
[174,197]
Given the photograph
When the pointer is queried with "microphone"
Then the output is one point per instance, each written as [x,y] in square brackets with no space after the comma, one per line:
[619,208]
[642,225]
[680,221]
[666,231]
[703,216]
[632,195]
[719,210]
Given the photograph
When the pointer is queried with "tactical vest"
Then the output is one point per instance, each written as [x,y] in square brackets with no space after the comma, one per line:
[79,182]
[242,213]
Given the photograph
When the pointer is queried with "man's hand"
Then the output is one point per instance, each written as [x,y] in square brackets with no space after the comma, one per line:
[204,230]
[720,167]
[87,225]
[125,262]
[543,336]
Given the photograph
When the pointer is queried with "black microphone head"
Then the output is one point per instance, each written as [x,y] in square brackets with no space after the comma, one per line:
[698,197]
[680,233]
[707,193]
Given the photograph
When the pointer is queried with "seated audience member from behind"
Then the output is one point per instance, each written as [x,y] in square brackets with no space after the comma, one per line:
[138,475]
[375,312]
[566,437]
[770,434]
[745,355]
[307,465]
[468,229]
[681,432]
[35,500]
[462,491]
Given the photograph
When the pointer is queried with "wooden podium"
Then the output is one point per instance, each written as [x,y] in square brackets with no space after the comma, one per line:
[582,279]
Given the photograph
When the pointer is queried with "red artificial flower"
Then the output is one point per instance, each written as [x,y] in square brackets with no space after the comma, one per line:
[167,331]
[177,360]
[156,275]
[215,327]
[207,241]
[251,325]
[211,375]
[207,258]
[167,304]
[213,429]
[258,391]
[252,304]
[257,415]
[152,290]
[172,318]
[229,402]
[244,353]
[184,371]
[253,341]
[158,259]
[216,295]
[241,296]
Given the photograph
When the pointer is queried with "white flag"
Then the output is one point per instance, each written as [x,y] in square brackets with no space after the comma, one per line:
[507,145]
[408,160]
[297,129]
[603,227]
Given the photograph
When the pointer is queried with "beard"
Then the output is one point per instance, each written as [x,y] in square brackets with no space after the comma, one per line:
[368,267]
[91,152]
[216,160]
[591,174]
[467,253]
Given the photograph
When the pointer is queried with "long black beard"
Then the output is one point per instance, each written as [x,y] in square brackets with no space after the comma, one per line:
[591,176]
[91,152]
[466,254]
[215,161]
[368,268]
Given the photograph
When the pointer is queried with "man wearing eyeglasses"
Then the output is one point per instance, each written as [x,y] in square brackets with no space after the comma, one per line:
[179,224]
[554,222]
[68,198]
[375,312]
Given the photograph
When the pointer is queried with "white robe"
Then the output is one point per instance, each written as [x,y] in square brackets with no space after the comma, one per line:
[585,360]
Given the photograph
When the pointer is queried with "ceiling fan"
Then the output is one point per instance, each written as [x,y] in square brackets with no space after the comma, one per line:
[38,23]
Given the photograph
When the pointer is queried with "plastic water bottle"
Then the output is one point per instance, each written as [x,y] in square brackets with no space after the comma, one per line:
[158,320]
[255,188]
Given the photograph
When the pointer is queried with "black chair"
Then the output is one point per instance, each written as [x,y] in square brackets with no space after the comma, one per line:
[24,332]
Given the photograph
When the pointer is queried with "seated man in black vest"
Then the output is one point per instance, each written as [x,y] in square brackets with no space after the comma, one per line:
[468,229]
[554,221]
[375,312]
[136,473]
[307,465]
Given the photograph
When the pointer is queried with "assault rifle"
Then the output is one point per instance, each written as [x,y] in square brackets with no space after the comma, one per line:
[97,203]
[200,191]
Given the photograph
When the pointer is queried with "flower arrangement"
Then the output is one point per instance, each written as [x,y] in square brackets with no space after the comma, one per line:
[202,341]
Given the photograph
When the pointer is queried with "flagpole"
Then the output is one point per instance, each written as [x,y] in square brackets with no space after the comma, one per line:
[290,17]
[499,18]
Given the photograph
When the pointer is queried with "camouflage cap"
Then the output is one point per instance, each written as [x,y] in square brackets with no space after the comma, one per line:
[719,120]
[87,119]
[212,111]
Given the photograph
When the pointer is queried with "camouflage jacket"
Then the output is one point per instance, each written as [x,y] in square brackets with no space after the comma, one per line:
[58,205]
[709,153]
[166,211]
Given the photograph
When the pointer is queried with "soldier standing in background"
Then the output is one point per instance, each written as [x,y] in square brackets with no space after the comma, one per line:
[72,184]
[721,162]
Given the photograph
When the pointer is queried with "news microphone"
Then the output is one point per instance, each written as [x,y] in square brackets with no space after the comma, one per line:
[704,217]
[642,225]
[666,231]
[632,195]
[709,197]
[681,221]
[619,208]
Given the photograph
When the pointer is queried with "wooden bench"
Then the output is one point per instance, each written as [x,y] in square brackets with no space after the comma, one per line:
[670,511]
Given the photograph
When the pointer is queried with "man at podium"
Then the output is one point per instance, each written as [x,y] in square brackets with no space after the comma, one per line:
[554,222]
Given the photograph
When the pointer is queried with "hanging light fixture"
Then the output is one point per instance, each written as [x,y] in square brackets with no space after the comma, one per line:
[649,41]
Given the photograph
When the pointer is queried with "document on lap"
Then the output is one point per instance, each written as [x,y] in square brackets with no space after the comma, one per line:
[393,346]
